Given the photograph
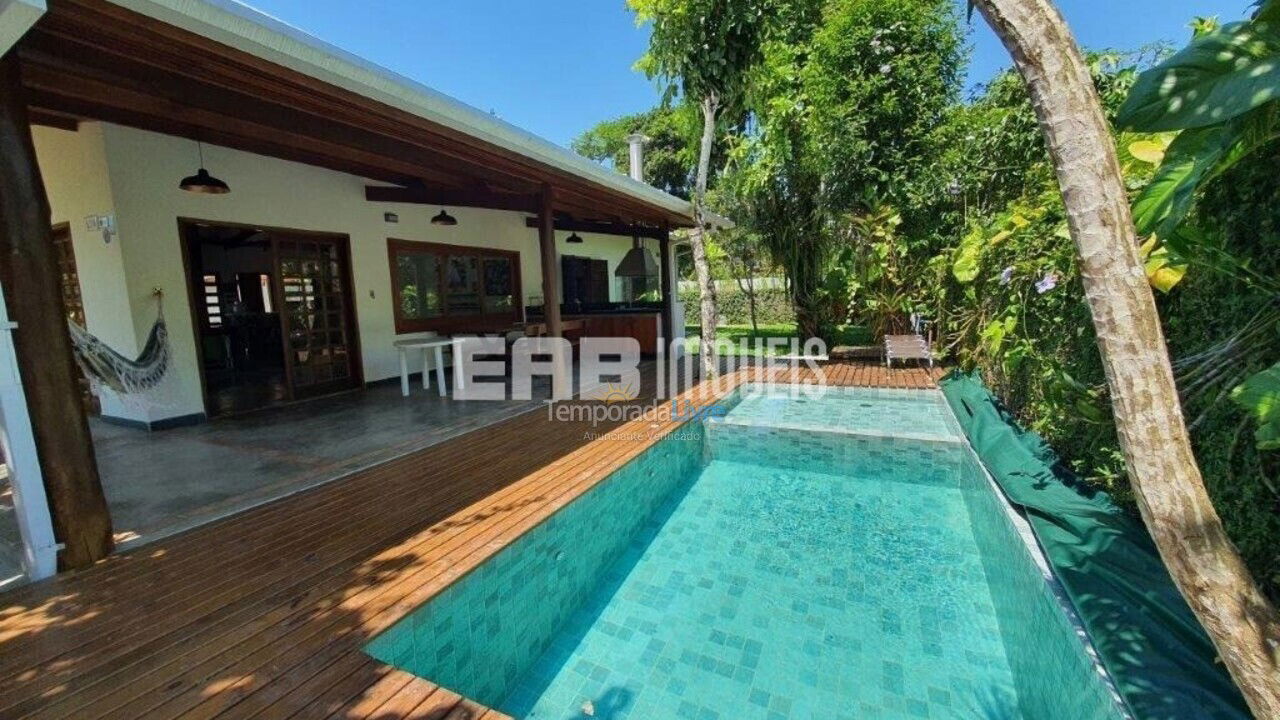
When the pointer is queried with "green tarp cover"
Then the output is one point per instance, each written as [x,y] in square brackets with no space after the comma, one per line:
[1156,651]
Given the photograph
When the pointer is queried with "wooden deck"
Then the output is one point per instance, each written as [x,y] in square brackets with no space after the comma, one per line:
[264,614]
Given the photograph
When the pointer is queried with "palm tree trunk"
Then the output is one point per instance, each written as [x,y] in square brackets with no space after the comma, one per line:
[1171,495]
[697,239]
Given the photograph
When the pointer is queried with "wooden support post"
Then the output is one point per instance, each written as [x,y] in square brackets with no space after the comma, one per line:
[32,285]
[664,259]
[550,263]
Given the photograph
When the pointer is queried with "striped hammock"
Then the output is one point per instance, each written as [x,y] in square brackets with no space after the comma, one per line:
[105,367]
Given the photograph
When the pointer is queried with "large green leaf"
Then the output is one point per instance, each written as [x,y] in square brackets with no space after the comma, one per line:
[1260,395]
[1219,76]
[1167,199]
[1194,158]
[968,261]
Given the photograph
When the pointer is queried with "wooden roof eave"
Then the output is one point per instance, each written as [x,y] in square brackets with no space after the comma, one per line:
[95,59]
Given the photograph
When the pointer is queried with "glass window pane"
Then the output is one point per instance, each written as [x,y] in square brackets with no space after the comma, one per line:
[462,284]
[498,286]
[418,285]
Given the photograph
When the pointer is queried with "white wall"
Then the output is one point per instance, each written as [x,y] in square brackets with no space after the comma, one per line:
[133,173]
[74,168]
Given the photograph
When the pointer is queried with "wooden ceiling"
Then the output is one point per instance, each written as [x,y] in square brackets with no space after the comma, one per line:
[91,59]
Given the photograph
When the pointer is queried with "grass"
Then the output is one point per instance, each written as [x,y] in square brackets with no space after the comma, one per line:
[756,341]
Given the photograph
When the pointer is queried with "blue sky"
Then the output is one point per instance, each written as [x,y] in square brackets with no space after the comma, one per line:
[557,67]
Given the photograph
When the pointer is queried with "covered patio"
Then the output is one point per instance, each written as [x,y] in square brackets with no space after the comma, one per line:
[159,483]
[346,181]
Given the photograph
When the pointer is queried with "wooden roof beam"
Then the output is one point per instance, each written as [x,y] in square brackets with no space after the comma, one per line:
[58,70]
[604,228]
[423,195]
[108,29]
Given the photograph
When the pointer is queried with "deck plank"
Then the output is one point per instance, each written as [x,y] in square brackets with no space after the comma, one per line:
[264,614]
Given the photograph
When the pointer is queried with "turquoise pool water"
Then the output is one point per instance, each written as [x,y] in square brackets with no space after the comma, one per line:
[754,568]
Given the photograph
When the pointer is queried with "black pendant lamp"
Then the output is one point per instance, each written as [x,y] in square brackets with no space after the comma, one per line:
[574,238]
[202,182]
[445,219]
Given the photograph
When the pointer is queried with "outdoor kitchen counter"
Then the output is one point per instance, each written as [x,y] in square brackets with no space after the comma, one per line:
[639,324]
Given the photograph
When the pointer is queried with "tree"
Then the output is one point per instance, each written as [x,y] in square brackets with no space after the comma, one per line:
[742,257]
[669,152]
[843,103]
[705,50]
[1166,480]
[878,76]
[774,192]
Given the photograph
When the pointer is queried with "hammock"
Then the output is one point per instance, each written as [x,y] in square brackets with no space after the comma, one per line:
[105,367]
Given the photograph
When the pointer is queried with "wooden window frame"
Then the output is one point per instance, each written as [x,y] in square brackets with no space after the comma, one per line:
[447,323]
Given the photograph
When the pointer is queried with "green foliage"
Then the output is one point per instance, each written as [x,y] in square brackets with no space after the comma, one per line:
[841,103]
[1190,159]
[1221,75]
[670,152]
[703,47]
[880,194]
[879,77]
[1260,395]
[872,270]
[1195,157]
[773,306]
[1223,92]
[1038,350]
[756,340]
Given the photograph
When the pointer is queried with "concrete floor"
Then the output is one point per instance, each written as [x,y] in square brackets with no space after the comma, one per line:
[160,483]
[164,482]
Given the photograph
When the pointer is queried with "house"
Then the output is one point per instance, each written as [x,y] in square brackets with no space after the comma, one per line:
[364,208]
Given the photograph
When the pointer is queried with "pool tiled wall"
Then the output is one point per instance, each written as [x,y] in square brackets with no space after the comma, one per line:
[481,633]
[1043,646]
[876,412]
[857,455]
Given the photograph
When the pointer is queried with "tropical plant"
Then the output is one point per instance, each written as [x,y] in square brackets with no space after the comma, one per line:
[1221,94]
[1162,468]
[704,50]
[879,275]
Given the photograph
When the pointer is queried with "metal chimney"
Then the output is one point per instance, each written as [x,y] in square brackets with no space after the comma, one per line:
[636,141]
[638,262]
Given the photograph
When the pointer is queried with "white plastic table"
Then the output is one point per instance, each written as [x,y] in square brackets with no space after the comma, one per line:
[430,346]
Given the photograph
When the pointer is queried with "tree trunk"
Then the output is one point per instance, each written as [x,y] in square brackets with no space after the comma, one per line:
[32,283]
[751,299]
[697,240]
[1171,495]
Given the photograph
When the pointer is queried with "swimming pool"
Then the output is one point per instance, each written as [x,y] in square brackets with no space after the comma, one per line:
[842,556]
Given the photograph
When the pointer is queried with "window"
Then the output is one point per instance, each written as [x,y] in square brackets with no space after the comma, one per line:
[212,301]
[453,288]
